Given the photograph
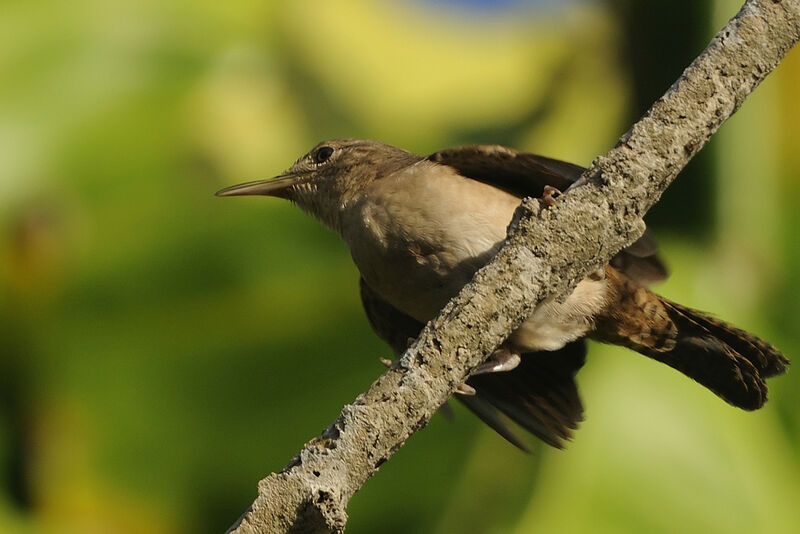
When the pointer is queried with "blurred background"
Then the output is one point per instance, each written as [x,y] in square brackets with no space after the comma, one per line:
[162,349]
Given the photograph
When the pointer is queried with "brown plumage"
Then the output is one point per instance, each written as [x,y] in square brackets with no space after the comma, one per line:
[418,228]
[727,360]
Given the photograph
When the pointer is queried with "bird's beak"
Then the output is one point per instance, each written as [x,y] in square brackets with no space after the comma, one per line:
[275,187]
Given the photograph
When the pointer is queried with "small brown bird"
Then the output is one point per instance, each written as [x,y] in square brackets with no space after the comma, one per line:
[418,228]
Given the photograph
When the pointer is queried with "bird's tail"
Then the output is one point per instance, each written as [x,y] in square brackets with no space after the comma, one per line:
[727,360]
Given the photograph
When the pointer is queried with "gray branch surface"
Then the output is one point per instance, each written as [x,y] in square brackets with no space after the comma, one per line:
[548,251]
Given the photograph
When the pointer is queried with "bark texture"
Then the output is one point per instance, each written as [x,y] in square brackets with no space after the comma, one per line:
[548,251]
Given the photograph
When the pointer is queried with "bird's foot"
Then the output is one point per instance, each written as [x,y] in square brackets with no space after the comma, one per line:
[598,274]
[500,361]
[549,195]
[465,389]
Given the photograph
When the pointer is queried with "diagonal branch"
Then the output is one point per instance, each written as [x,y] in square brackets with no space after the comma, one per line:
[548,251]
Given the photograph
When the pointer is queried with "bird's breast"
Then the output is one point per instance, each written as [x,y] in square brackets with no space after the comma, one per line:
[419,237]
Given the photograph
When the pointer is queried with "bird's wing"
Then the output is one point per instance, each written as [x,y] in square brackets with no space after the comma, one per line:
[390,324]
[519,173]
[540,394]
[526,175]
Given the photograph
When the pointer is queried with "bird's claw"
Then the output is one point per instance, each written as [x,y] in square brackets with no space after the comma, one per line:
[500,361]
[465,389]
[549,195]
[598,274]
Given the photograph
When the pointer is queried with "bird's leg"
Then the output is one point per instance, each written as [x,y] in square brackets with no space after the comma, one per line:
[549,195]
[598,274]
[465,389]
[501,360]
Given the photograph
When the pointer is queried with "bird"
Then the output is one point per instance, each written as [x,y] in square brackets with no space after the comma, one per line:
[419,227]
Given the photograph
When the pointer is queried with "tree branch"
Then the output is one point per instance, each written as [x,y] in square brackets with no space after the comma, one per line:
[548,251]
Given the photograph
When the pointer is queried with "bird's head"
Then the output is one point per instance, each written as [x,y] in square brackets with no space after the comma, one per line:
[330,177]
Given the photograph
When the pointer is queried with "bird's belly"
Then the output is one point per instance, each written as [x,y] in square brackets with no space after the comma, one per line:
[553,324]
[420,285]
[415,278]
[417,248]
[417,254]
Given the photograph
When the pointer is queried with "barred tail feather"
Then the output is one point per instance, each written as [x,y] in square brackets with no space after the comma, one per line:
[729,361]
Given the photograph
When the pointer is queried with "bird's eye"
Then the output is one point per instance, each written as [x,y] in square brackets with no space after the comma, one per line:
[322,154]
